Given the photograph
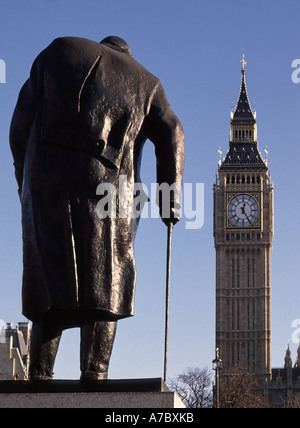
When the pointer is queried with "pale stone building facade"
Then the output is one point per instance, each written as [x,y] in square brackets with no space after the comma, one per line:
[14,352]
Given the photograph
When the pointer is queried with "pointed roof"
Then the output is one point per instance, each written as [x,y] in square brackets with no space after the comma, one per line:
[243,156]
[288,358]
[243,109]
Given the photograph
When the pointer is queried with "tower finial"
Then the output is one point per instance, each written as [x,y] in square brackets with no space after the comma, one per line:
[244,63]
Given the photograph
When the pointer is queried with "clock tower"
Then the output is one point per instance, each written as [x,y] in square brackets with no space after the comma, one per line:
[243,234]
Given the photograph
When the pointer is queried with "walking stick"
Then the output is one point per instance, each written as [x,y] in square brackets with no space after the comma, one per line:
[170,228]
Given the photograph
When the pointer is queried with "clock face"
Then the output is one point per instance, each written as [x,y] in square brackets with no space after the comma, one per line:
[243,210]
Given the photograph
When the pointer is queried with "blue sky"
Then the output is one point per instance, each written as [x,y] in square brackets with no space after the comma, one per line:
[195,48]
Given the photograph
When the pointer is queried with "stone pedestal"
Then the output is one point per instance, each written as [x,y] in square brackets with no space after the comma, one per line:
[109,394]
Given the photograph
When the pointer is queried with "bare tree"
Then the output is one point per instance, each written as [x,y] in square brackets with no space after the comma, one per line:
[240,389]
[292,401]
[193,387]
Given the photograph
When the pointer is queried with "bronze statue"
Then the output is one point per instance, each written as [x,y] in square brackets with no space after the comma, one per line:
[82,119]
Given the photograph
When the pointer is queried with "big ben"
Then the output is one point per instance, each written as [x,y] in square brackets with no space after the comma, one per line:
[243,235]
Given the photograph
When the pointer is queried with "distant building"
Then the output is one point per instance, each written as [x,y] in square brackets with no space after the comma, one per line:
[14,352]
[285,383]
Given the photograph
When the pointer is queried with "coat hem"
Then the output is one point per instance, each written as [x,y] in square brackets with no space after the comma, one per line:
[69,318]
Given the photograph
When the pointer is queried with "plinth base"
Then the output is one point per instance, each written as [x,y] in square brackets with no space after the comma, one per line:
[108,394]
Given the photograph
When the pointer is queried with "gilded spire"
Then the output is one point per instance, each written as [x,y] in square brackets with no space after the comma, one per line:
[243,110]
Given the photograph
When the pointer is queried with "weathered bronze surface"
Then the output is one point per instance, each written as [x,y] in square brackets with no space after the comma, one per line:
[82,119]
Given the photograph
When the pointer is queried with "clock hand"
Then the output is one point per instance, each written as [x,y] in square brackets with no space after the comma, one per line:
[244,212]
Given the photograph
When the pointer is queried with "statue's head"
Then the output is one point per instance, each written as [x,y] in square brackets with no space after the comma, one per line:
[116,43]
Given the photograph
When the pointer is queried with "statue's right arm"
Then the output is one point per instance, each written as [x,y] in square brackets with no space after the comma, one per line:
[167,134]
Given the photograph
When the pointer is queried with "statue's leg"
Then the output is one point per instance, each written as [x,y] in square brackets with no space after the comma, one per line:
[97,339]
[44,342]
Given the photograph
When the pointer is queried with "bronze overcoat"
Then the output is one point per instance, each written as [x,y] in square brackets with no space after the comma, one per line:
[81,120]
